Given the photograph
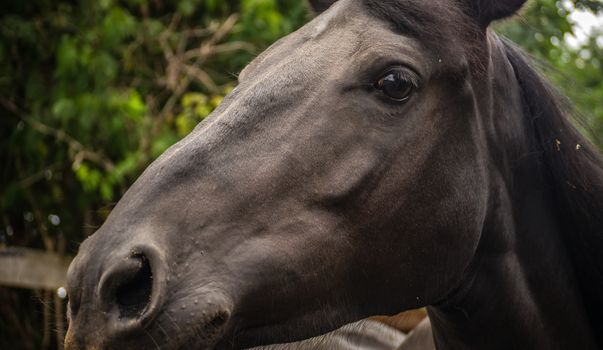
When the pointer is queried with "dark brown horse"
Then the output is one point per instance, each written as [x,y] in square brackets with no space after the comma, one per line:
[387,156]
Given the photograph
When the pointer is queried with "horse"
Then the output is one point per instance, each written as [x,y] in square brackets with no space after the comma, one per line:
[389,155]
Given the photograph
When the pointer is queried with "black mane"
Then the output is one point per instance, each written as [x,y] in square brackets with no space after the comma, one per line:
[574,169]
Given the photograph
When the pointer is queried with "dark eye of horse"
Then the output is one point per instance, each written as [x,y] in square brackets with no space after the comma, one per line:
[395,85]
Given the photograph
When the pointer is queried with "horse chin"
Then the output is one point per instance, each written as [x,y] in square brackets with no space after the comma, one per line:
[292,330]
[258,337]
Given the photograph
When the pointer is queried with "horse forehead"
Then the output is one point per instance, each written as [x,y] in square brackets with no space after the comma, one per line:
[332,34]
[348,28]
[331,19]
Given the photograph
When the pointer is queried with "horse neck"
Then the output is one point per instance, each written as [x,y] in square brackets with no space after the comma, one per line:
[521,291]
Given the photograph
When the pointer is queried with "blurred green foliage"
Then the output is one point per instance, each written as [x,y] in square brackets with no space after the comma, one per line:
[91,91]
[544,29]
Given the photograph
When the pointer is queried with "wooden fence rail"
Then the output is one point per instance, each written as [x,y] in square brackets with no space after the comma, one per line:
[32,269]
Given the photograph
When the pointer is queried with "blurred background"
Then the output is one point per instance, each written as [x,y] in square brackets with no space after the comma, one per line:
[91,91]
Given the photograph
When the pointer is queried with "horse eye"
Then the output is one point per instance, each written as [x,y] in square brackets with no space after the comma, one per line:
[395,86]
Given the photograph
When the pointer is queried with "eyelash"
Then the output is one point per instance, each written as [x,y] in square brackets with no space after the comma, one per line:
[407,73]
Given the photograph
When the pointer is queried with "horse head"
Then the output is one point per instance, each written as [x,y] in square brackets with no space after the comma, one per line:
[349,174]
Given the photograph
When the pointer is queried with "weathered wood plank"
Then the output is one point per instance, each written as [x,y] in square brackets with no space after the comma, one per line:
[32,269]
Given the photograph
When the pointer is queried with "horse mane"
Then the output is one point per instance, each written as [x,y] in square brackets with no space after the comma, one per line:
[574,171]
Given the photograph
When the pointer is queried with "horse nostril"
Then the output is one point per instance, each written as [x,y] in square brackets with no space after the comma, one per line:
[132,290]
[133,295]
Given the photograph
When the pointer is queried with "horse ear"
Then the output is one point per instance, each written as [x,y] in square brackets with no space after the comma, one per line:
[320,6]
[487,11]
